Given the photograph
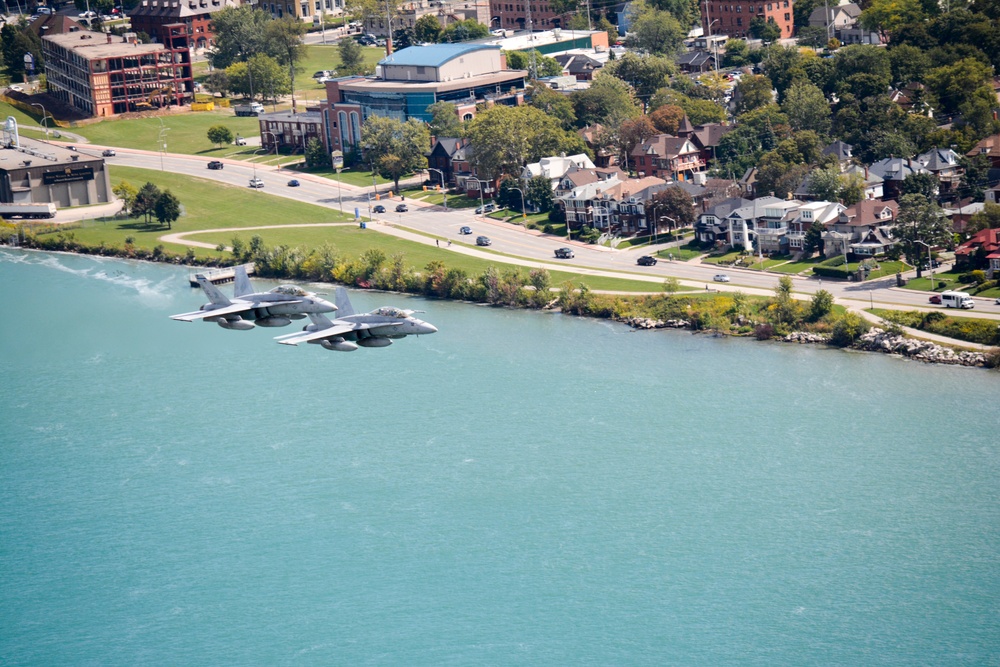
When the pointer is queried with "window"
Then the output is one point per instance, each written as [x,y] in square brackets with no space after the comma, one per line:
[739,22]
[750,9]
[787,16]
[739,9]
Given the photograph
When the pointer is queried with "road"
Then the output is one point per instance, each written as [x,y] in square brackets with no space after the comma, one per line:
[514,244]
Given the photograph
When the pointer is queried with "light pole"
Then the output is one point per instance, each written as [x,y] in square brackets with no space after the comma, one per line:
[482,204]
[929,267]
[253,161]
[45,118]
[274,140]
[444,187]
[523,214]
[160,139]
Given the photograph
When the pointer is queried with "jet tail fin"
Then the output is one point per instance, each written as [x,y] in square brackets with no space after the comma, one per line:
[242,285]
[320,320]
[214,294]
[343,303]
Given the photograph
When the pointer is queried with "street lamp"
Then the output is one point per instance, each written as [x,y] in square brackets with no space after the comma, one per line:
[45,118]
[656,228]
[444,187]
[930,267]
[254,162]
[523,214]
[160,139]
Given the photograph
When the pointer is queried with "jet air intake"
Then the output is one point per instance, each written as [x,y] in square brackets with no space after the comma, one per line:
[239,325]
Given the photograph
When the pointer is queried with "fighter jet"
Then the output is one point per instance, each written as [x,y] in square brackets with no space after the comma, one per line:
[275,308]
[349,330]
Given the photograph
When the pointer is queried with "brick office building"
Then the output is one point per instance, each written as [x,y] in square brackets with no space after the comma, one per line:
[733,17]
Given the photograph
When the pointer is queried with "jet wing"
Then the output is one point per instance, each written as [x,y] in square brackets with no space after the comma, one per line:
[201,314]
[329,332]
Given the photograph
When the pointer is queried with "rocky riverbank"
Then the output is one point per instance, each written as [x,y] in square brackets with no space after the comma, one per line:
[874,340]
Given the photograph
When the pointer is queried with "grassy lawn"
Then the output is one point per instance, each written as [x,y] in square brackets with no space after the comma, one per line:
[768,263]
[798,267]
[681,253]
[728,258]
[942,281]
[971,329]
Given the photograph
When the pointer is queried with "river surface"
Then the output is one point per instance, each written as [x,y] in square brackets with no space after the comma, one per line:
[521,488]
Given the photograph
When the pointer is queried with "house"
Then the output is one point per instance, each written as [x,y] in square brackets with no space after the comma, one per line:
[579,65]
[961,214]
[835,18]
[741,223]
[842,151]
[993,194]
[873,184]
[893,171]
[590,135]
[863,229]
[982,251]
[706,137]
[577,176]
[711,226]
[667,156]
[554,168]
[697,62]
[601,204]
[943,163]
[448,156]
[734,17]
[911,98]
[635,207]
[990,147]
[823,212]
[408,13]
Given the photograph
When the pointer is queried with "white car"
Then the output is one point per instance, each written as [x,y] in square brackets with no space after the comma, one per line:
[16,87]
[88,15]
[256,183]
[721,278]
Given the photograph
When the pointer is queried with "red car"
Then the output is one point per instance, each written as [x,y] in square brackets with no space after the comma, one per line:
[935,298]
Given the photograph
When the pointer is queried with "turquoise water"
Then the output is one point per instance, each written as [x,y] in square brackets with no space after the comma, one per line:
[520,488]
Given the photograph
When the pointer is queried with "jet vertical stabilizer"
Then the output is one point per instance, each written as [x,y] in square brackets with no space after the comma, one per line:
[214,295]
[242,280]
[344,308]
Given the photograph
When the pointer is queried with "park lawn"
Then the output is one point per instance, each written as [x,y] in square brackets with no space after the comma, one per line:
[187,134]
[767,264]
[681,253]
[885,268]
[351,240]
[798,267]
[947,280]
[205,205]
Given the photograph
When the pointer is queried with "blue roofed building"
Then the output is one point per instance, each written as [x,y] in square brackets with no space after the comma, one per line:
[412,79]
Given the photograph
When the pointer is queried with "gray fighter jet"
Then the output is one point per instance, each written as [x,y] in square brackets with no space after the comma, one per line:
[349,330]
[275,308]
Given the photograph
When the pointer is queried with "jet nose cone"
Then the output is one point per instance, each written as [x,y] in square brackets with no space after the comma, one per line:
[425,328]
[325,304]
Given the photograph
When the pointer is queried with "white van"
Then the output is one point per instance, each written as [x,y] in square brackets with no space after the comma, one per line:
[957,300]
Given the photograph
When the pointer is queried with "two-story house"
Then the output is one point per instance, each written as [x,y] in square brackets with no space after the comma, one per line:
[668,157]
[864,229]
[943,163]
[893,171]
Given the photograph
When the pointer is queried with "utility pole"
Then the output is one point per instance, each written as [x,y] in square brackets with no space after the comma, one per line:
[591,28]
[531,33]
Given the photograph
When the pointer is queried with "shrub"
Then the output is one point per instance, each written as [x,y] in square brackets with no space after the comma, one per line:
[847,329]
[763,332]
[831,272]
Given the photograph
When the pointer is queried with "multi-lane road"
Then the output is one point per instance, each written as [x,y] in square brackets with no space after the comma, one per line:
[512,243]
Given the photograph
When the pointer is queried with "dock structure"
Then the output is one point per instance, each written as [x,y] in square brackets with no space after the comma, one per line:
[218,276]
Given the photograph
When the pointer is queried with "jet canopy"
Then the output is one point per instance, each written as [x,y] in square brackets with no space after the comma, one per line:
[289,290]
[395,313]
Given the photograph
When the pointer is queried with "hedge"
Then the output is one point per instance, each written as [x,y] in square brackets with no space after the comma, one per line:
[832,272]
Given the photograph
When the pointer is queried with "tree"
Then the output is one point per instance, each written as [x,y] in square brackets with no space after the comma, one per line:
[427,30]
[784,66]
[908,63]
[821,305]
[506,138]
[554,104]
[540,193]
[737,53]
[218,82]
[351,57]
[824,184]
[766,31]
[607,98]
[316,155]
[653,31]
[667,119]
[921,183]
[861,70]
[127,193]
[219,135]
[813,239]
[544,65]
[988,218]
[239,34]
[811,35]
[621,137]
[145,200]
[754,92]
[888,16]
[444,120]
[284,43]
[167,208]
[509,193]
[394,148]
[645,73]
[260,77]
[673,204]
[807,108]
[920,222]
[463,31]
[604,24]
[403,38]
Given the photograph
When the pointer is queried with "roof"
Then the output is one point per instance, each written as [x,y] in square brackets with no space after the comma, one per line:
[867,212]
[840,149]
[578,63]
[54,24]
[988,239]
[556,166]
[179,9]
[434,55]
[895,168]
[663,145]
[290,117]
[727,206]
[94,45]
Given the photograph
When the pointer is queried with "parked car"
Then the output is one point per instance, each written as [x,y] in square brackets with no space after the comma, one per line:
[87,15]
[321,73]
[997,302]
[646,260]
[215,164]
[16,87]
[721,278]
[294,183]
[564,253]
[379,208]
[465,230]
[256,183]
[108,152]
[483,240]
[401,208]
[936,298]
[488,208]
[72,148]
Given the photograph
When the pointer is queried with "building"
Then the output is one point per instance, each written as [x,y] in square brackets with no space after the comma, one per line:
[669,157]
[412,79]
[982,251]
[864,229]
[445,11]
[514,15]
[554,168]
[990,147]
[304,10]
[166,20]
[944,164]
[290,131]
[36,171]
[893,171]
[733,17]
[449,157]
[101,75]
[556,41]
[579,65]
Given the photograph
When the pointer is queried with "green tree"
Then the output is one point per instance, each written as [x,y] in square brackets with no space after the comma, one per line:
[219,135]
[737,53]
[861,70]
[351,57]
[167,208]
[766,31]
[674,205]
[127,193]
[604,24]
[847,329]
[908,63]
[218,82]
[807,108]
[813,240]
[316,155]
[554,104]
[620,137]
[825,184]
[754,92]
[645,73]
[653,31]
[888,16]
[811,35]
[427,29]
[239,34]
[260,77]
[403,38]
[784,66]
[544,65]
[539,193]
[284,43]
[444,120]
[463,31]
[508,137]
[607,98]
[821,305]
[145,201]
[988,218]
[920,221]
[394,148]
[920,183]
